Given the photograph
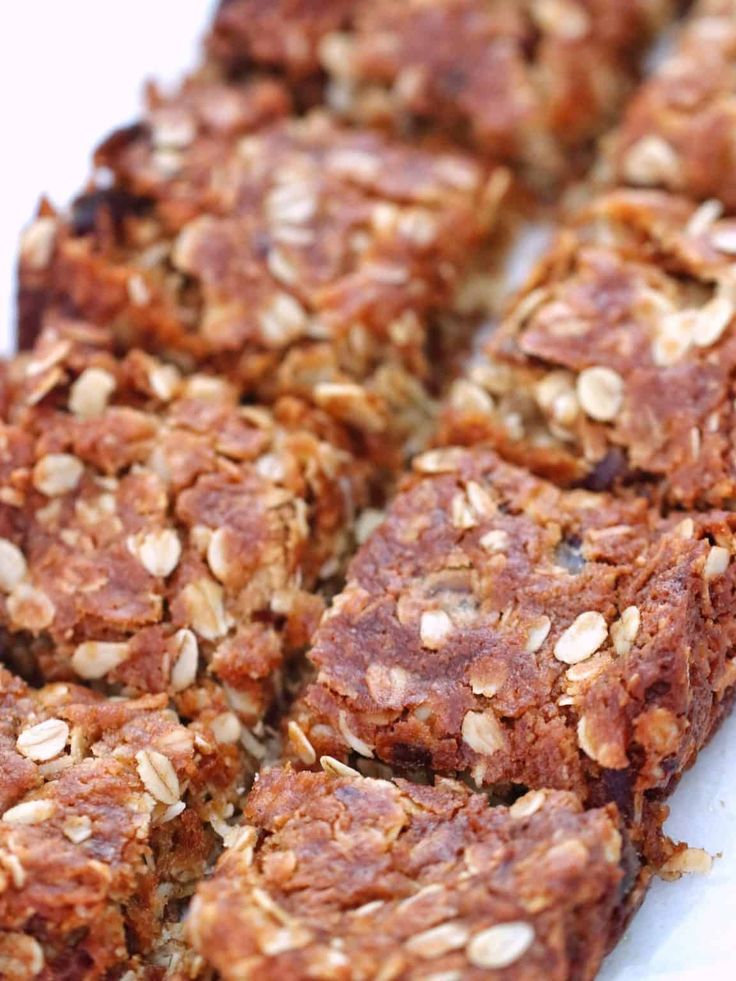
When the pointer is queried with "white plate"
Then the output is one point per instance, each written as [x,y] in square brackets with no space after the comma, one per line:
[70,72]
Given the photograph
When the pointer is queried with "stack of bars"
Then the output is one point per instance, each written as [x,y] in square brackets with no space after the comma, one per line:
[343,637]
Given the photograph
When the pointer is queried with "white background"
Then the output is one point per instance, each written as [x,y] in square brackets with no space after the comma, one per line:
[69,72]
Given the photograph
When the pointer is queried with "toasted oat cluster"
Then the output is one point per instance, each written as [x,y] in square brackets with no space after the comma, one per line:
[615,364]
[499,627]
[531,82]
[306,258]
[349,877]
[110,810]
[280,34]
[157,535]
[677,132]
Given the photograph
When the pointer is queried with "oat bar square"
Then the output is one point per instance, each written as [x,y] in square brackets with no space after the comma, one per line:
[677,131]
[342,876]
[501,629]
[158,536]
[300,257]
[614,366]
[110,811]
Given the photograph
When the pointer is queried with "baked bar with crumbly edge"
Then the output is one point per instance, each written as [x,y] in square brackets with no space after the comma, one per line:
[157,535]
[206,116]
[615,364]
[110,811]
[678,130]
[529,82]
[348,877]
[500,628]
[303,258]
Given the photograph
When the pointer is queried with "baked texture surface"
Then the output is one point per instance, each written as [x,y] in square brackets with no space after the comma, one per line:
[108,810]
[615,363]
[677,131]
[234,339]
[529,83]
[280,34]
[305,258]
[498,627]
[155,534]
[206,112]
[348,877]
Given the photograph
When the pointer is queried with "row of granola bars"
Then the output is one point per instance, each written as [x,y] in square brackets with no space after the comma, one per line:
[233,342]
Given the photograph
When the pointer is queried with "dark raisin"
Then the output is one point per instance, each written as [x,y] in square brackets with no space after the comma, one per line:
[404,754]
[115,204]
[617,786]
[606,472]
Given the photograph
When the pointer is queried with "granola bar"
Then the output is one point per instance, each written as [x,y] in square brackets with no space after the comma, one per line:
[157,535]
[498,627]
[677,132]
[348,877]
[108,811]
[218,115]
[615,364]
[530,82]
[306,258]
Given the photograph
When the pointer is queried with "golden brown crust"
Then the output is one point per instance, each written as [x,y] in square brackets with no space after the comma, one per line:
[346,877]
[530,83]
[615,364]
[677,132]
[173,547]
[109,813]
[306,259]
[206,117]
[157,535]
[499,627]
